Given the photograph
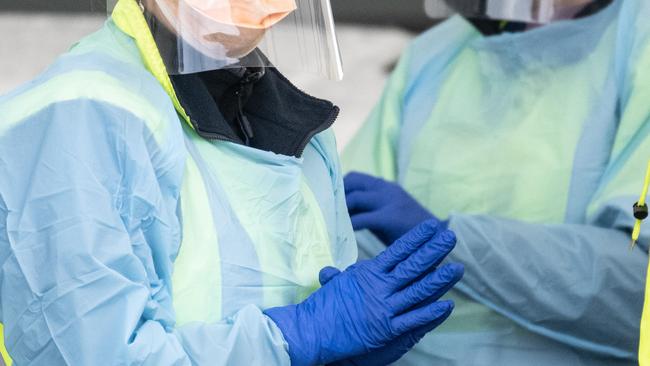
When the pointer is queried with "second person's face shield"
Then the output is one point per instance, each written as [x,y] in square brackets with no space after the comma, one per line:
[525,11]
[205,35]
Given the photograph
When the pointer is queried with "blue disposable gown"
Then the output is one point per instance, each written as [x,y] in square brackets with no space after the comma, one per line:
[127,239]
[534,146]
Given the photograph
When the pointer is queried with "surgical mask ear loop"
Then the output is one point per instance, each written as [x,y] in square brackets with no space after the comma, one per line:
[641,209]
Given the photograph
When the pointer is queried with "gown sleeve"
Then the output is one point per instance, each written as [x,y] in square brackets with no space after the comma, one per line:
[88,235]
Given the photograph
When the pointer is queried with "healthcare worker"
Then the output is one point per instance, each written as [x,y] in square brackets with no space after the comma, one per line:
[524,126]
[168,198]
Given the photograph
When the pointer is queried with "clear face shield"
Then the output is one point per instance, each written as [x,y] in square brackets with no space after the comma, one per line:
[525,11]
[204,35]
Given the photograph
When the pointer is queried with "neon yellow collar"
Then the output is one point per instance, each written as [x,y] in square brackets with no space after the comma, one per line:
[128,17]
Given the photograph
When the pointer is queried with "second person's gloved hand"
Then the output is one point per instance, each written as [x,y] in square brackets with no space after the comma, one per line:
[382,207]
[372,305]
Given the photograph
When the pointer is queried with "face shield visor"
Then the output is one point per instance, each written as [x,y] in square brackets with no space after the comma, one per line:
[204,35]
[525,11]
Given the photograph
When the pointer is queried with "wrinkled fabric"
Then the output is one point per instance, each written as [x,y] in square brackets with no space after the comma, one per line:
[122,238]
[534,146]
[272,236]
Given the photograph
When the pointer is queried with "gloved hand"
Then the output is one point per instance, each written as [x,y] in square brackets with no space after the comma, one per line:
[382,207]
[373,303]
[397,348]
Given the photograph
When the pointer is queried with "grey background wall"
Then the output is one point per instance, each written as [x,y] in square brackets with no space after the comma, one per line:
[404,13]
[63,6]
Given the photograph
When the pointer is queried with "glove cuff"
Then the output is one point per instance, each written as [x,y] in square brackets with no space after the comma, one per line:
[302,348]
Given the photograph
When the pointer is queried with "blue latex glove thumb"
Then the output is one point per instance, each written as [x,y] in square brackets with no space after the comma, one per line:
[327,274]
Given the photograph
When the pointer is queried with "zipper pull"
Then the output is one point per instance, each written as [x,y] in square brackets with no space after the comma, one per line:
[251,76]
[247,129]
[244,123]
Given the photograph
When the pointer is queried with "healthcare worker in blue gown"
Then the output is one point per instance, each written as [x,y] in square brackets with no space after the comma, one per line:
[524,126]
[169,198]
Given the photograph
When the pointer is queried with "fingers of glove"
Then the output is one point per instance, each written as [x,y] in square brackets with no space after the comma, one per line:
[436,312]
[361,201]
[426,257]
[391,353]
[436,296]
[429,289]
[404,343]
[403,247]
[420,332]
[327,274]
[359,182]
[397,348]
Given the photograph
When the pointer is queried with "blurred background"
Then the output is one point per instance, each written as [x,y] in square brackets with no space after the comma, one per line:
[372,34]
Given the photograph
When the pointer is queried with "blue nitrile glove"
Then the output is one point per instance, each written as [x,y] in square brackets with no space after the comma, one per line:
[382,207]
[399,347]
[373,303]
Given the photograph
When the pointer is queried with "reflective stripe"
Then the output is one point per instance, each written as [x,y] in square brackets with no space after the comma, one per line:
[75,85]
[197,273]
[311,257]
[240,267]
